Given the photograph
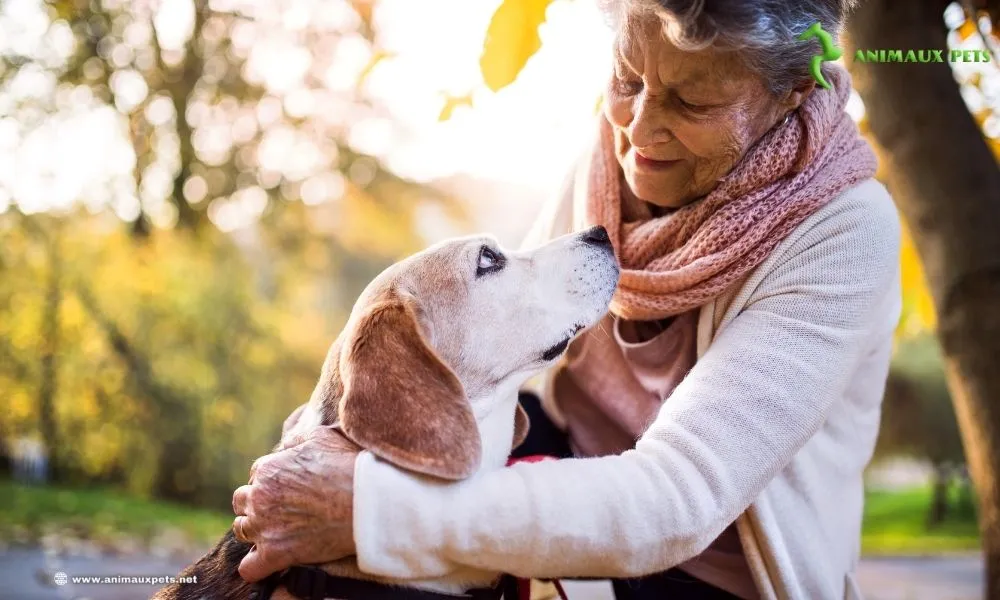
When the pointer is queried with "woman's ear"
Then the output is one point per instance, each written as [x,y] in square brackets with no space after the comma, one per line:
[400,401]
[796,96]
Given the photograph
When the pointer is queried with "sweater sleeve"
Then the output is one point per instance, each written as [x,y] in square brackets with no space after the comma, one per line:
[756,396]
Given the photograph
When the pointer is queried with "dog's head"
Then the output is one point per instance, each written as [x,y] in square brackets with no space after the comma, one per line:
[433,336]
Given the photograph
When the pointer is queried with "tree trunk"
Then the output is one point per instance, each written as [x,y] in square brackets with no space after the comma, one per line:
[946,183]
[49,359]
[180,95]
[176,422]
[939,498]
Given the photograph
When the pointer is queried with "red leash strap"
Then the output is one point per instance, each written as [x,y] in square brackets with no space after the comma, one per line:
[524,585]
[523,589]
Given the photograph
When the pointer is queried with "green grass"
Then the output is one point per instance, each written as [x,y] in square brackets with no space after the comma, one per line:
[28,512]
[895,523]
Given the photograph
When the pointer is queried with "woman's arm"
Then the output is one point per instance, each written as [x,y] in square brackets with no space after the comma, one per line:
[758,394]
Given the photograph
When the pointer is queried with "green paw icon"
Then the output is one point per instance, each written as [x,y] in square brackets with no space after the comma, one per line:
[830,51]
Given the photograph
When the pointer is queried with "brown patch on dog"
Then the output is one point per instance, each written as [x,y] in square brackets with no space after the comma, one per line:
[400,401]
[216,575]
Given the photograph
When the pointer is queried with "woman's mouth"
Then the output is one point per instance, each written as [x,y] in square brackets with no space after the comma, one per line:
[645,162]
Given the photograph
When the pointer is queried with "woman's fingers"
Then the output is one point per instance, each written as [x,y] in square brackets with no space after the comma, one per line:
[296,440]
[257,464]
[298,507]
[241,498]
[243,530]
[326,433]
[256,565]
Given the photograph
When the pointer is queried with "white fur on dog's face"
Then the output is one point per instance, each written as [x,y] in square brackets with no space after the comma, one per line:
[494,315]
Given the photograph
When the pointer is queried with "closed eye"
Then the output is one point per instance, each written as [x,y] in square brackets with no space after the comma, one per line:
[694,107]
[489,261]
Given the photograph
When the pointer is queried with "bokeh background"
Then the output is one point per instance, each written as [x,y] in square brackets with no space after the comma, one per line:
[193,192]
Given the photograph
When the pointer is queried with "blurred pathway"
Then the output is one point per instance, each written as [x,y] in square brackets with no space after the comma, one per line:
[27,574]
[935,578]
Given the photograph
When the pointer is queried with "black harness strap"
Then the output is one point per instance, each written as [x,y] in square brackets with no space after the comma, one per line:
[311,583]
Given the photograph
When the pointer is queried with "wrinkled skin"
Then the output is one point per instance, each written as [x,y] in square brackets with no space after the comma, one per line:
[700,110]
[297,508]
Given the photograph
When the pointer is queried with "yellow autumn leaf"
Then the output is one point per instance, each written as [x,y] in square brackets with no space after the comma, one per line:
[511,39]
[453,102]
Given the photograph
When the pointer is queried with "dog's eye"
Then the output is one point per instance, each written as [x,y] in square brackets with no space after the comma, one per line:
[488,262]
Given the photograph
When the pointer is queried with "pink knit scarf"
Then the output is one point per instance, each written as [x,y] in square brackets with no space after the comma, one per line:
[684,259]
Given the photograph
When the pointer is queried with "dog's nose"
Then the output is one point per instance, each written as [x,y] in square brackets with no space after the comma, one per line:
[597,236]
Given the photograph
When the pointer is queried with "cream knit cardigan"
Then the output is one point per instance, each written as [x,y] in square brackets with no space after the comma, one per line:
[772,428]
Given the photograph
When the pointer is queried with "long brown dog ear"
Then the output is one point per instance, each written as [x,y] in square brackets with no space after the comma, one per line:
[401,402]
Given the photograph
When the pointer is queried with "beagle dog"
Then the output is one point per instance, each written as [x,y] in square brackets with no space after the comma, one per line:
[426,372]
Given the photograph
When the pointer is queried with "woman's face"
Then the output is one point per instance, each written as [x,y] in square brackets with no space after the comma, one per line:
[683,119]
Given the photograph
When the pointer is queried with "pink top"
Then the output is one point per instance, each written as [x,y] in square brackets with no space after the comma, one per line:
[609,387]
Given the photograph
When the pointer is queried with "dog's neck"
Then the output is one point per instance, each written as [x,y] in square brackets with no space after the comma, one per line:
[494,414]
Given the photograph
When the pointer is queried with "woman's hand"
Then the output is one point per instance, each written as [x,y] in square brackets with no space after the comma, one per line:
[297,508]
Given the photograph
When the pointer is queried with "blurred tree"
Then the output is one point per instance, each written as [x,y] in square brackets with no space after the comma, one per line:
[49,354]
[211,111]
[918,419]
[164,355]
[946,181]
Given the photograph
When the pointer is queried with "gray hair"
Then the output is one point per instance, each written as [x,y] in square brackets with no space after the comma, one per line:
[764,32]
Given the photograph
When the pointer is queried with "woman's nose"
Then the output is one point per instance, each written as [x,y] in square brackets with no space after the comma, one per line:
[649,124]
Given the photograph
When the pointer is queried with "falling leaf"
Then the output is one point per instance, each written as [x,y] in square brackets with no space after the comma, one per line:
[511,39]
[453,102]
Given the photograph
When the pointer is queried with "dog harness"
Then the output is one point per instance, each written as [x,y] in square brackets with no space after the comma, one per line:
[313,583]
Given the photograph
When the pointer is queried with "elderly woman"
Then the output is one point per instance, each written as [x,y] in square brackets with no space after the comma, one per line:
[720,419]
